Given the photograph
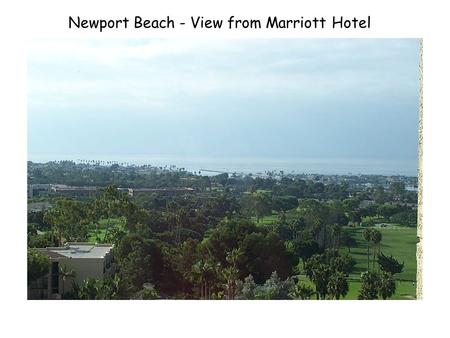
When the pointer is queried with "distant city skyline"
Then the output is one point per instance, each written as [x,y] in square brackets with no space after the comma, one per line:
[349,99]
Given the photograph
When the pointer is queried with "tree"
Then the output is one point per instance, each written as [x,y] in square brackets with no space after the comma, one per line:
[387,210]
[386,286]
[319,273]
[379,195]
[148,292]
[69,218]
[38,265]
[35,240]
[374,284]
[341,262]
[295,226]
[264,253]
[376,239]
[316,216]
[305,249]
[140,261]
[88,289]
[336,220]
[95,288]
[284,203]
[282,219]
[204,274]
[348,241]
[115,235]
[231,273]
[274,288]
[390,264]
[65,274]
[111,203]
[406,218]
[350,204]
[183,259]
[336,230]
[301,291]
[337,286]
[262,205]
[280,226]
[321,267]
[110,287]
[356,216]
[246,289]
[369,285]
[367,234]
[222,179]
[397,189]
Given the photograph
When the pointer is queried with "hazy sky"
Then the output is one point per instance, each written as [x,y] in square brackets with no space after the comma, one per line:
[314,98]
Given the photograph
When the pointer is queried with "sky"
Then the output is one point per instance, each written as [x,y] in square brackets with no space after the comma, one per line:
[260,98]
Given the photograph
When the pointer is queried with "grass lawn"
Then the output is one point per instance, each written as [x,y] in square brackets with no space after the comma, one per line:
[93,237]
[399,242]
[267,220]
[404,289]
[375,219]
[113,223]
[273,218]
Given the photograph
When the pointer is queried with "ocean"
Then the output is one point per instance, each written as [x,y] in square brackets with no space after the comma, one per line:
[213,165]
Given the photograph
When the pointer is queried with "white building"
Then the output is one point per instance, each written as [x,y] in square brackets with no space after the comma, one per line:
[86,260]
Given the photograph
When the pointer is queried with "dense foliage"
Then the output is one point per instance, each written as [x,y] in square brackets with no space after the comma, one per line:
[38,265]
[215,243]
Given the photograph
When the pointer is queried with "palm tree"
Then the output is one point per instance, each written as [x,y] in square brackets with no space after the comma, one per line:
[337,285]
[301,291]
[376,239]
[110,202]
[336,232]
[282,217]
[87,290]
[369,285]
[203,273]
[65,274]
[367,234]
[386,286]
[231,273]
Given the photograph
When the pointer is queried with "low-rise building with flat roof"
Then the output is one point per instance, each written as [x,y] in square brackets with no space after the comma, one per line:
[73,191]
[86,260]
[165,191]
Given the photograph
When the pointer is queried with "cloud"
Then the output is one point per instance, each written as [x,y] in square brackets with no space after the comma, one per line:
[361,90]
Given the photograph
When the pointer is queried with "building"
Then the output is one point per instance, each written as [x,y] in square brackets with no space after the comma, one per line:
[86,260]
[73,191]
[366,203]
[92,191]
[34,190]
[164,191]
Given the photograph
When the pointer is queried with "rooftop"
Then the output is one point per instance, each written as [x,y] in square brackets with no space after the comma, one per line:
[80,250]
